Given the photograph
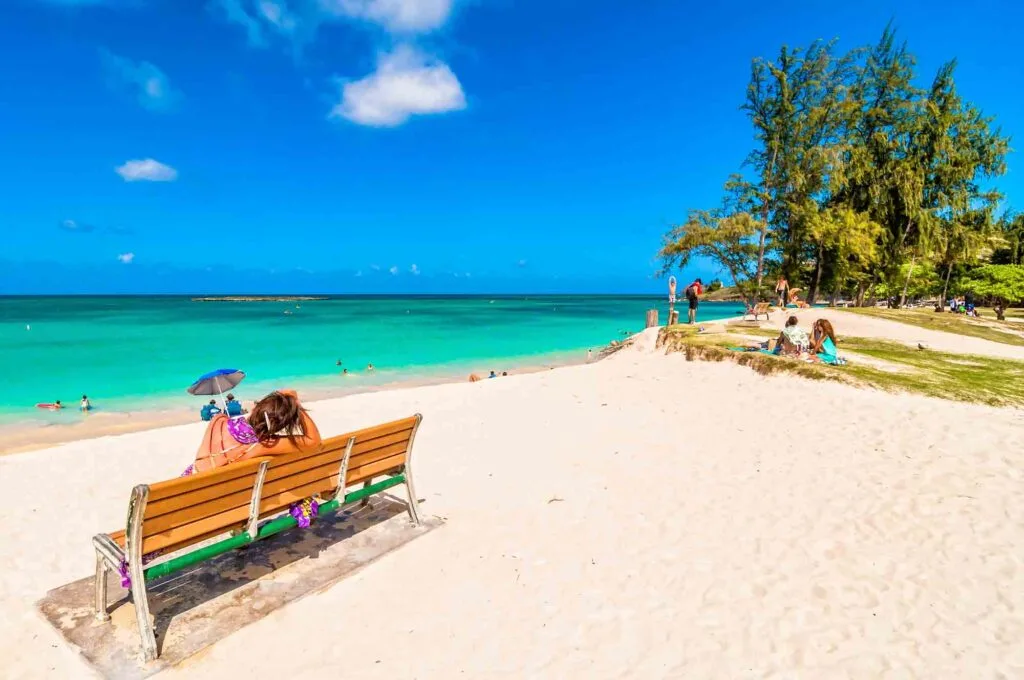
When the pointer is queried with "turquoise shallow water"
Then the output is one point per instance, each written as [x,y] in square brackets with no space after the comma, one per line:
[131,353]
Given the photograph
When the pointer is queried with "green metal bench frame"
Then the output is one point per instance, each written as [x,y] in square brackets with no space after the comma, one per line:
[110,556]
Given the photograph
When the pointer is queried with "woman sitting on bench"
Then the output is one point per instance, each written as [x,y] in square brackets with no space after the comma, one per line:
[277,425]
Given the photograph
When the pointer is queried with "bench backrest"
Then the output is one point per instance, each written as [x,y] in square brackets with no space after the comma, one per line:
[297,476]
[190,509]
[186,510]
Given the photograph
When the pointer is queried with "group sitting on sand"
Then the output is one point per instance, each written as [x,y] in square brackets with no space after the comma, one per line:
[795,342]
[820,345]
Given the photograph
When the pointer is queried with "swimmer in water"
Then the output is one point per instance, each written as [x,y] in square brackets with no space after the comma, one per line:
[344,371]
[58,405]
[85,405]
[369,367]
[338,362]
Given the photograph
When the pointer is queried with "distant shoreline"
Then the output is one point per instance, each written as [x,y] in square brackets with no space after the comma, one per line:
[23,437]
[258,298]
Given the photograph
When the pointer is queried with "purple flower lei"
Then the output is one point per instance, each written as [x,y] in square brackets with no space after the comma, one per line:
[122,569]
[304,512]
[242,431]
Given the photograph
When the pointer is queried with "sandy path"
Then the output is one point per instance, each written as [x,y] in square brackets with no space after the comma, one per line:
[638,518]
[857,325]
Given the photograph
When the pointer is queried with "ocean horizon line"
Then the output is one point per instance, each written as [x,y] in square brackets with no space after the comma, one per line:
[368,296]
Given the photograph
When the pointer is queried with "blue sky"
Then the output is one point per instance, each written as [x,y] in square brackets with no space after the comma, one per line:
[403,145]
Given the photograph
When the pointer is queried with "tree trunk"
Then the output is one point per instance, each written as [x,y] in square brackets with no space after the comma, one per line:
[906,232]
[812,292]
[906,284]
[945,286]
[871,287]
[764,228]
[860,294]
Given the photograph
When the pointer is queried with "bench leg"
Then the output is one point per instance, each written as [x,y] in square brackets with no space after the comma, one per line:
[412,504]
[141,602]
[133,541]
[100,587]
[366,501]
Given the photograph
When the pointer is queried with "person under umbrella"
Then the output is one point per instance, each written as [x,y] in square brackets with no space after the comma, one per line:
[209,410]
[216,382]
[233,406]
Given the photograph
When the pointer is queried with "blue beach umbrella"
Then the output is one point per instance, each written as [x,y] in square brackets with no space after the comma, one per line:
[216,382]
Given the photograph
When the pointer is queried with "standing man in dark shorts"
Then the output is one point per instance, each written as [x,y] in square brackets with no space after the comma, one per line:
[693,293]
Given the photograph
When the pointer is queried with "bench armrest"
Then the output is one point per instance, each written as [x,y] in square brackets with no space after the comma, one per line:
[110,551]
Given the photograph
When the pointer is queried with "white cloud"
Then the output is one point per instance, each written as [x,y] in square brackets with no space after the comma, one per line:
[522,263]
[397,16]
[359,273]
[78,227]
[375,267]
[235,12]
[277,14]
[126,258]
[147,170]
[147,82]
[393,271]
[406,83]
[414,270]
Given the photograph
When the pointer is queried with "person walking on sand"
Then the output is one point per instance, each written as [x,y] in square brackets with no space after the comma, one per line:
[693,293]
[782,289]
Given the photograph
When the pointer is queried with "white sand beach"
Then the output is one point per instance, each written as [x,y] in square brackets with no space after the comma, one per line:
[639,517]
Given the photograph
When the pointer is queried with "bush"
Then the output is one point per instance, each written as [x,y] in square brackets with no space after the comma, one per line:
[999,282]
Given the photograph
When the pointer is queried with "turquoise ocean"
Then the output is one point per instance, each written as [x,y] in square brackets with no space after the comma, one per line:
[140,353]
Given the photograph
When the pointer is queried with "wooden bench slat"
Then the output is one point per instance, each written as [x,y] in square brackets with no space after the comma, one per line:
[286,465]
[314,480]
[378,454]
[197,497]
[200,480]
[332,451]
[364,472]
[365,435]
[183,534]
[187,510]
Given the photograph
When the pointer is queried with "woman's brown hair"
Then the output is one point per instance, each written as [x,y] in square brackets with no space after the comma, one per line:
[792,321]
[273,413]
[826,327]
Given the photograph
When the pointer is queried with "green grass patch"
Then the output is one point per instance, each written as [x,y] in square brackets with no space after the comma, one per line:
[959,377]
[985,328]
[1011,313]
[962,377]
[753,331]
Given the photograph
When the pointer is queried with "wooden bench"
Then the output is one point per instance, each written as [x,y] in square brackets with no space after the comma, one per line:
[248,501]
[758,309]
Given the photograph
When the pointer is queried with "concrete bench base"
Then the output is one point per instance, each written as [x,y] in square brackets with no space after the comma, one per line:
[197,607]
